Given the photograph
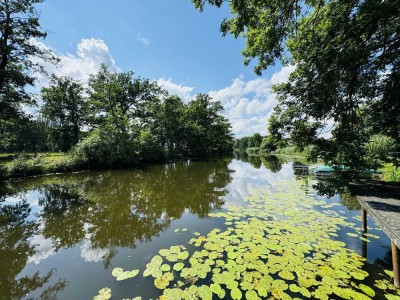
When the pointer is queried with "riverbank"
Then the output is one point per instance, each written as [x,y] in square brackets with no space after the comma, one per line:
[30,164]
[19,166]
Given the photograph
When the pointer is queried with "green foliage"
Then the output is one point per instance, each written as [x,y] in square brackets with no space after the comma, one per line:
[206,131]
[390,172]
[150,149]
[268,144]
[65,107]
[105,148]
[127,121]
[22,167]
[378,149]
[19,26]
[255,140]
[346,58]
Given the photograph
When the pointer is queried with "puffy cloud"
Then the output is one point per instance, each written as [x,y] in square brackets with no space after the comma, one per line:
[248,105]
[142,39]
[182,91]
[90,54]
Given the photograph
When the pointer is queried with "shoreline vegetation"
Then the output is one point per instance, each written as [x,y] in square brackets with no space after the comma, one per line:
[25,165]
[389,172]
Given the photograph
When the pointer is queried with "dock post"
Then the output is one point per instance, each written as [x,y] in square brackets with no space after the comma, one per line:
[396,269]
[364,248]
[363,219]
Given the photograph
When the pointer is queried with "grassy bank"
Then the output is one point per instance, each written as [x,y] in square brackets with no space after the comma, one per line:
[390,172]
[29,164]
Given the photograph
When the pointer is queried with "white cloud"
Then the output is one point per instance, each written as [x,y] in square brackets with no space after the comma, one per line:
[90,54]
[142,39]
[248,105]
[184,92]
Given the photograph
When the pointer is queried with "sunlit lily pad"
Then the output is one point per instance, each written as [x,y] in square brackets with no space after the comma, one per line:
[104,294]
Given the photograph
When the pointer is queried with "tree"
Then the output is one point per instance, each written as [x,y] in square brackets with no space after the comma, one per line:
[206,129]
[255,140]
[346,57]
[66,107]
[170,125]
[120,100]
[19,26]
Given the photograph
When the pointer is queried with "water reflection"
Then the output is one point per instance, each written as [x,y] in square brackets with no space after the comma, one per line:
[98,211]
[15,252]
[271,162]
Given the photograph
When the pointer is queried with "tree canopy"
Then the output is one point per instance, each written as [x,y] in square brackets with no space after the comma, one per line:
[19,26]
[347,62]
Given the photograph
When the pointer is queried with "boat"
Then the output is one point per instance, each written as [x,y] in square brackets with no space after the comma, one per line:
[326,171]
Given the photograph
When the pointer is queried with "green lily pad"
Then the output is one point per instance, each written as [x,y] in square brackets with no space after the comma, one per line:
[104,294]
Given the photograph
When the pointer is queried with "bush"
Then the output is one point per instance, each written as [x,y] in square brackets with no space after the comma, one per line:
[378,149]
[21,167]
[268,144]
[150,149]
[104,148]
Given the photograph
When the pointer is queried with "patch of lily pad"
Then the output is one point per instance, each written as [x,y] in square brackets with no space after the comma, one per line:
[276,247]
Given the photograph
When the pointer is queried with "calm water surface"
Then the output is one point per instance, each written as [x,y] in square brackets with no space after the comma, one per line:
[68,232]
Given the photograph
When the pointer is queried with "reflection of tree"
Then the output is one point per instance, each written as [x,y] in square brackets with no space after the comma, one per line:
[135,206]
[125,206]
[337,183]
[255,161]
[241,155]
[272,163]
[15,250]
[349,200]
[58,198]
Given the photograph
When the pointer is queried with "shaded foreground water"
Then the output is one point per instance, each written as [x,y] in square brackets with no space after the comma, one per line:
[225,228]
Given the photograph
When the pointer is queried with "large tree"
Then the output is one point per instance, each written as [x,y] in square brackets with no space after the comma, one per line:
[206,130]
[65,107]
[347,66]
[19,26]
[127,102]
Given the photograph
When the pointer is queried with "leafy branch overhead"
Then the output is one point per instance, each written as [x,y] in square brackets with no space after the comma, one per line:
[347,62]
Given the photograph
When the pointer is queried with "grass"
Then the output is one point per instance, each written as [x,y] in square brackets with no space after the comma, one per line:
[29,164]
[390,172]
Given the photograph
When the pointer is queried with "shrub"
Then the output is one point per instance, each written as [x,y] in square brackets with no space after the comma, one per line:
[378,149]
[22,167]
[150,150]
[104,148]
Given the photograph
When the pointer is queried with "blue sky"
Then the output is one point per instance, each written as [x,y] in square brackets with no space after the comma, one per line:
[168,41]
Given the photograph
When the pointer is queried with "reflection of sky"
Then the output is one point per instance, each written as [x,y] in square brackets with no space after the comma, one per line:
[88,253]
[43,249]
[31,197]
[246,178]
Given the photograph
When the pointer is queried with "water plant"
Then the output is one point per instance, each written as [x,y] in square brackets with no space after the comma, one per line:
[282,244]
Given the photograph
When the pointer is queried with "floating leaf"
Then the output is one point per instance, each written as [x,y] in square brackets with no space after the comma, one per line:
[104,294]
[352,234]
[366,289]
[236,294]
[178,266]
[117,271]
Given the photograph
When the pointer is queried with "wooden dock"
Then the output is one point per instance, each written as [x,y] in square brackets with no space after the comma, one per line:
[382,202]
